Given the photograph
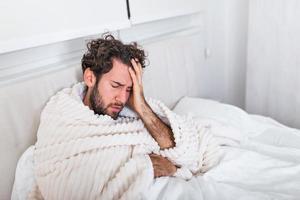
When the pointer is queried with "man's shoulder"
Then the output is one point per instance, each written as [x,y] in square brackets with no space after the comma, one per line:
[65,95]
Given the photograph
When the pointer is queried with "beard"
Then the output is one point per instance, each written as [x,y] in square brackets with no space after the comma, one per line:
[99,106]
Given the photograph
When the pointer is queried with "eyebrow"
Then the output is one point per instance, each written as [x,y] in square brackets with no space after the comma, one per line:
[120,84]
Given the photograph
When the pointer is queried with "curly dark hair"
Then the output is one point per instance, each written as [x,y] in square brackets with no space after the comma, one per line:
[101,52]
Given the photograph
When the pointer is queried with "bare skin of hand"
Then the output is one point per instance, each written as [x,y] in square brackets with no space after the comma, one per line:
[136,100]
[162,133]
[162,166]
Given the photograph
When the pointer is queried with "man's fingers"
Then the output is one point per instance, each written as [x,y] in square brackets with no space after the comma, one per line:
[133,76]
[137,68]
[140,67]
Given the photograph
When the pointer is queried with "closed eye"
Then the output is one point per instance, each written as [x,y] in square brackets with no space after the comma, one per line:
[115,86]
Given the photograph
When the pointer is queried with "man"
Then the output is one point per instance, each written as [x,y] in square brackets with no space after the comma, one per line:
[103,139]
[107,93]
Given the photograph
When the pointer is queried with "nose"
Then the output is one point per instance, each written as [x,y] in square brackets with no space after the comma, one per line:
[122,96]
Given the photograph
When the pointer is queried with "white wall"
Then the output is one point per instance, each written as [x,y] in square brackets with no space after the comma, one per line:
[273,82]
[236,51]
[226,26]
[215,44]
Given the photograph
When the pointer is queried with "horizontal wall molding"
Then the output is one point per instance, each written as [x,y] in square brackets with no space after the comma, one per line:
[24,64]
[146,32]
[30,70]
[145,11]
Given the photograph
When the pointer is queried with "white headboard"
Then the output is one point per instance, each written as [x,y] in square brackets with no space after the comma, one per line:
[176,62]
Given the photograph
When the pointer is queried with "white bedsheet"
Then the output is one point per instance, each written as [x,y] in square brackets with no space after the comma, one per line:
[261,159]
[242,174]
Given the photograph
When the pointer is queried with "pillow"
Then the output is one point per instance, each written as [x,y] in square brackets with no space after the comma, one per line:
[206,108]
[225,114]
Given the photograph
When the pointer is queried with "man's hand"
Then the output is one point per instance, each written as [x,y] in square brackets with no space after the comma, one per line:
[158,130]
[162,166]
[136,100]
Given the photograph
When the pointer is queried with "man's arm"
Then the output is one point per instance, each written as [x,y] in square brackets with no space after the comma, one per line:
[156,127]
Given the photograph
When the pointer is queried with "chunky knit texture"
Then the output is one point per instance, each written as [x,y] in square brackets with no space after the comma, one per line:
[80,155]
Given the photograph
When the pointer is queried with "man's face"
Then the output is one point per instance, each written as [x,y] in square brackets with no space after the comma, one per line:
[113,90]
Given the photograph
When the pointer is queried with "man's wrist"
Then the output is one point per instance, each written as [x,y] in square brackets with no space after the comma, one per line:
[143,109]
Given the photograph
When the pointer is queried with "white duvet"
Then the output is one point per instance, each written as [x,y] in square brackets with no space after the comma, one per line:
[261,159]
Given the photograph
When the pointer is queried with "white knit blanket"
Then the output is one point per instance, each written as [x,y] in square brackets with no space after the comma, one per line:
[80,155]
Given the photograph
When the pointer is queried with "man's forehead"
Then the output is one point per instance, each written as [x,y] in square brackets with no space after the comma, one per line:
[119,74]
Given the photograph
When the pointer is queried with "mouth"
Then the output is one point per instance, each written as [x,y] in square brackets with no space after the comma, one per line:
[116,108]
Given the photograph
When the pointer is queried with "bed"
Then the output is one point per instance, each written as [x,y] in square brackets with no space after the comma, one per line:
[261,157]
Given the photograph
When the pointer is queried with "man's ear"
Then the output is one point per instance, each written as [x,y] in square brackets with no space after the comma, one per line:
[89,78]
